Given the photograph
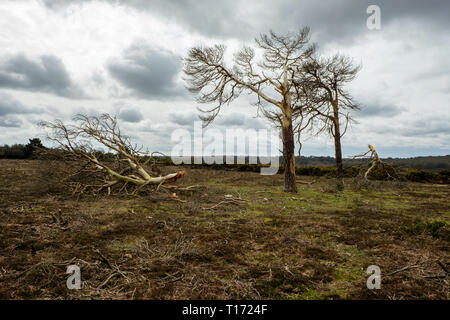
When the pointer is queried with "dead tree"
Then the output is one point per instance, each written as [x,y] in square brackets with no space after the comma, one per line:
[127,168]
[272,81]
[375,162]
[324,80]
[302,121]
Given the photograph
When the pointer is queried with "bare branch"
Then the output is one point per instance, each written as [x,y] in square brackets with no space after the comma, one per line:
[80,138]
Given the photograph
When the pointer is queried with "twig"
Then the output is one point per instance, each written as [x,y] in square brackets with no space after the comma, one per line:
[443,267]
[107,279]
[181,188]
[229,200]
[103,258]
[403,269]
[218,204]
[306,182]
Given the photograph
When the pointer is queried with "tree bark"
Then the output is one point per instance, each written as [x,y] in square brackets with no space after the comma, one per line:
[337,145]
[375,161]
[288,156]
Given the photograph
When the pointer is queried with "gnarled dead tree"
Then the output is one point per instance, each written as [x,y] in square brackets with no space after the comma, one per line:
[375,162]
[128,164]
[330,102]
[271,80]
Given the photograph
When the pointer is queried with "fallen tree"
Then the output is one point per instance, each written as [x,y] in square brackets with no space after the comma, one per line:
[376,162]
[127,168]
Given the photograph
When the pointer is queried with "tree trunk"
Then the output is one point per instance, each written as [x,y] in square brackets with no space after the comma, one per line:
[338,153]
[337,146]
[288,156]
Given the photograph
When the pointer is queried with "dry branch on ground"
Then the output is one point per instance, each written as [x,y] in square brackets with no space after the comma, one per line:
[127,166]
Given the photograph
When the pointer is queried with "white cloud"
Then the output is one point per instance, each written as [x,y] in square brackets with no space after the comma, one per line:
[404,82]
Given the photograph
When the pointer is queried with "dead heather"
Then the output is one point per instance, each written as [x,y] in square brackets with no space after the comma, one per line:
[236,236]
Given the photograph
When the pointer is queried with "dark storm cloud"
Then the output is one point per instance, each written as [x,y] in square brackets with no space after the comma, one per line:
[239,119]
[346,19]
[9,105]
[426,127]
[429,126]
[149,73]
[234,119]
[47,74]
[378,110]
[131,115]
[224,120]
[207,17]
[329,19]
[184,119]
[10,122]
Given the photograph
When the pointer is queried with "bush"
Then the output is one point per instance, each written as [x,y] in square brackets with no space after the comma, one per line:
[315,171]
[418,175]
[16,151]
[20,151]
[443,176]
[418,227]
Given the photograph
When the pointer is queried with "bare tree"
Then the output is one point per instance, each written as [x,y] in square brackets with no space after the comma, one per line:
[126,168]
[302,122]
[272,80]
[325,79]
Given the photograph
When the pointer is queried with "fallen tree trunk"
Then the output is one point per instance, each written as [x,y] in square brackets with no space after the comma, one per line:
[77,141]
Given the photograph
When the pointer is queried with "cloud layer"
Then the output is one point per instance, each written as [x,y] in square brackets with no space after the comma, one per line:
[46,73]
[330,19]
[147,72]
[61,57]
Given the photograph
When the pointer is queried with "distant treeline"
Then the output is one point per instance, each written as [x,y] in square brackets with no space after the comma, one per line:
[420,169]
[357,168]
[406,174]
[25,151]
[426,163]
[21,151]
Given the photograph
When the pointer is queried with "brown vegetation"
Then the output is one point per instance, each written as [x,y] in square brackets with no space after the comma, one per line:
[236,235]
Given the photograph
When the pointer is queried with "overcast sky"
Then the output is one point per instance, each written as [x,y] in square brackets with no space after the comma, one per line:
[63,57]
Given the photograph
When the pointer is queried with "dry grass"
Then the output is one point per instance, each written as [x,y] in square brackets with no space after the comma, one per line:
[268,244]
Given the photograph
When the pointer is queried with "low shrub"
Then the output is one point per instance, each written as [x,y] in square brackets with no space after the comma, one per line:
[418,227]
[418,175]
